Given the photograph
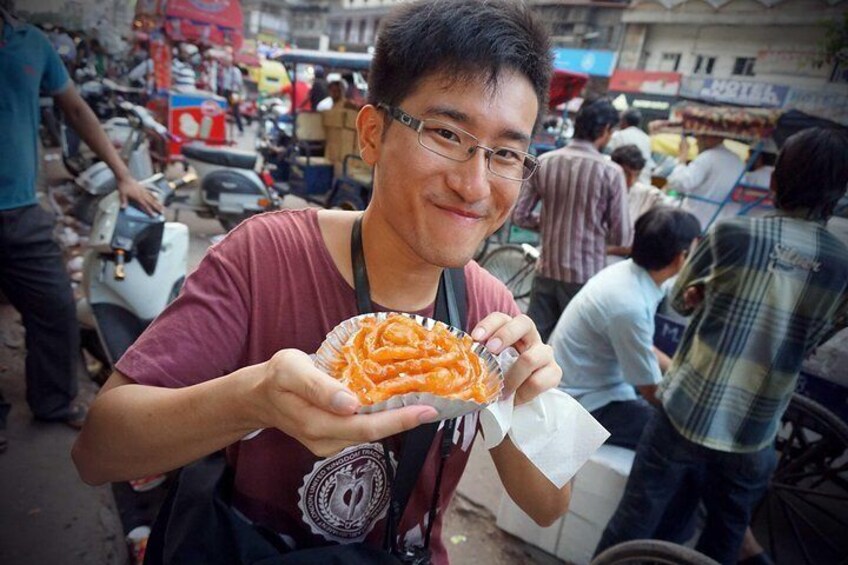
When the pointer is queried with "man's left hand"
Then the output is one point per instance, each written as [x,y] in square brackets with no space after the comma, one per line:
[535,370]
[131,189]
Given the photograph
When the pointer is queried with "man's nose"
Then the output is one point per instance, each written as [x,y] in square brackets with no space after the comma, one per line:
[474,178]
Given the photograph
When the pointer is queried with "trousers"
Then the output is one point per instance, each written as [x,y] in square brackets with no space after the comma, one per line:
[34,279]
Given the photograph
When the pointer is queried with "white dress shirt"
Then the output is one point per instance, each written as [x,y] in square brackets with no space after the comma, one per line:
[713,174]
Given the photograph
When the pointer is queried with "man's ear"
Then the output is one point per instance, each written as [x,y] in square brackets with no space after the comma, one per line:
[370,124]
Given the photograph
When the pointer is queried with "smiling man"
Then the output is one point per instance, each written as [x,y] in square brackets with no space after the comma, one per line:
[454,97]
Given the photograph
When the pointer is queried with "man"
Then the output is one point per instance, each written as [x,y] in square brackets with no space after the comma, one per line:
[630,133]
[320,88]
[584,208]
[708,179]
[32,272]
[231,85]
[604,340]
[278,284]
[763,293]
[640,197]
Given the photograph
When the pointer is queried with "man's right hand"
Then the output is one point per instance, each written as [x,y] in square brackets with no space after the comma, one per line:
[294,396]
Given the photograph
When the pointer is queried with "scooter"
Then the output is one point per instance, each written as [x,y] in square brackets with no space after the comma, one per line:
[234,185]
[134,266]
[129,132]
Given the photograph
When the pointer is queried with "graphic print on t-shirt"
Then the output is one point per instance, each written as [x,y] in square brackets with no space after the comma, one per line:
[345,495]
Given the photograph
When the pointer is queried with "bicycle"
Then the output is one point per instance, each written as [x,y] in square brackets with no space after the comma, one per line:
[515,266]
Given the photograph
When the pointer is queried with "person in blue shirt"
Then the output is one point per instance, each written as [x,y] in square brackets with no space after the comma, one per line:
[604,339]
[32,272]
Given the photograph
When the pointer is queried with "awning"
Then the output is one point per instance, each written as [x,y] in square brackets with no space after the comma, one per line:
[216,22]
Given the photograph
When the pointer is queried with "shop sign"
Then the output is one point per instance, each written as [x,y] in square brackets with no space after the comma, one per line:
[592,62]
[732,91]
[828,105]
[646,82]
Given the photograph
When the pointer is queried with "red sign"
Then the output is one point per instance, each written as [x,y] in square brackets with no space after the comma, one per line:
[645,82]
[161,55]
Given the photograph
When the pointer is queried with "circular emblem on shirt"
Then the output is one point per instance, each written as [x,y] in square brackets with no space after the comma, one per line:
[345,495]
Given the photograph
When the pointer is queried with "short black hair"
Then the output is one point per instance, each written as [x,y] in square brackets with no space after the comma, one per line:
[629,157]
[593,118]
[661,234]
[468,40]
[811,172]
[632,117]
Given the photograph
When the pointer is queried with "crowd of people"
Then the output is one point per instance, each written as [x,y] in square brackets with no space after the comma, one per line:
[761,293]
[456,91]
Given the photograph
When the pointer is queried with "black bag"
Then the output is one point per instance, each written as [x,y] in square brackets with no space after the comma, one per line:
[197,525]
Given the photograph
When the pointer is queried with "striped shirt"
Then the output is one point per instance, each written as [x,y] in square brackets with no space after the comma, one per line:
[584,209]
[773,288]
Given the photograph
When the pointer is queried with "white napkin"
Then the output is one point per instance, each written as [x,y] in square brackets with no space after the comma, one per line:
[554,431]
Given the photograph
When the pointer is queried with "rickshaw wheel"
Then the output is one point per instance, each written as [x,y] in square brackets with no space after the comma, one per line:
[651,551]
[804,515]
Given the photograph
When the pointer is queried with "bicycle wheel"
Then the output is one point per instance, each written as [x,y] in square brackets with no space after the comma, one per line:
[651,551]
[511,265]
[804,515]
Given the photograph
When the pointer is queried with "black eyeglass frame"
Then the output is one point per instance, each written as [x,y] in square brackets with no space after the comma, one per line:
[417,125]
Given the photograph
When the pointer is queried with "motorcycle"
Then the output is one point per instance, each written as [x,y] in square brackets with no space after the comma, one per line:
[134,266]
[275,135]
[234,185]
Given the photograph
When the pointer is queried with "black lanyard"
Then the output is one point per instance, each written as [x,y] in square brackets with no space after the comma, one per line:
[416,442]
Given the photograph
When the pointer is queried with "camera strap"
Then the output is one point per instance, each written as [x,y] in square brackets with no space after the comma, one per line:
[451,308]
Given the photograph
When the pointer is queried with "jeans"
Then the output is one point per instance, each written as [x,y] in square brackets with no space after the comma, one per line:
[34,279]
[548,299]
[671,475]
[625,420]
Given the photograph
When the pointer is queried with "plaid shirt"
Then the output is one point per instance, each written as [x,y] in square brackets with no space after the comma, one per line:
[773,288]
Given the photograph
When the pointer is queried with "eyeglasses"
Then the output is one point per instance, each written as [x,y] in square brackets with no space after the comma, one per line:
[457,144]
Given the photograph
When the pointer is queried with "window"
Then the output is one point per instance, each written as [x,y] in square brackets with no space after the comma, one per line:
[670,62]
[362,31]
[744,66]
[704,65]
[348,24]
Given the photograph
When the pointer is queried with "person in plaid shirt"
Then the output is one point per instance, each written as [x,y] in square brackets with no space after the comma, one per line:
[763,293]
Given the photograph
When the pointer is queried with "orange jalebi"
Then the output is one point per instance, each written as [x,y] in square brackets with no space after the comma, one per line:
[398,355]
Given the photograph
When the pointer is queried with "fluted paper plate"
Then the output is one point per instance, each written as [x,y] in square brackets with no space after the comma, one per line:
[330,353]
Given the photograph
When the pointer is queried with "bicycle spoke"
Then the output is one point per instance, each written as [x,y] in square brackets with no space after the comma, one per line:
[809,524]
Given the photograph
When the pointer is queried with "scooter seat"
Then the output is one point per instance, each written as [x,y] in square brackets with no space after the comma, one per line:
[223,157]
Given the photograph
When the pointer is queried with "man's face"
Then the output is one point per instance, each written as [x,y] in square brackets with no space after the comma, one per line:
[443,209]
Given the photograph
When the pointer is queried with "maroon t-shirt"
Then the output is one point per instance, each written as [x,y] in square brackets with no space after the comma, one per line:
[269,285]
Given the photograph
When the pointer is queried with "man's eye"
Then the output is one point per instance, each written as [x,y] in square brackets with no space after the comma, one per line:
[507,155]
[447,134]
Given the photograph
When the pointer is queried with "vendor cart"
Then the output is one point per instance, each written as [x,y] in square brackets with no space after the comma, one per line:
[190,114]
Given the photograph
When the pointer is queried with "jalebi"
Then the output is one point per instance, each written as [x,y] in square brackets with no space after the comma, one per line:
[398,356]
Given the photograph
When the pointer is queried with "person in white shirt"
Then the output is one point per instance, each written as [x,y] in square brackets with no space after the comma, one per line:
[712,175]
[641,197]
[629,133]
[604,340]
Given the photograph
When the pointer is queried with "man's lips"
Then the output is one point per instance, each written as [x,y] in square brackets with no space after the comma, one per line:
[470,214]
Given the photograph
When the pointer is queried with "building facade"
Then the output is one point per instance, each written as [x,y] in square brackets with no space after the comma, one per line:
[765,53]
